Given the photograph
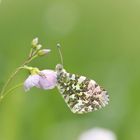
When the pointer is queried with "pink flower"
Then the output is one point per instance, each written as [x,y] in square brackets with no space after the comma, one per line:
[98,134]
[45,79]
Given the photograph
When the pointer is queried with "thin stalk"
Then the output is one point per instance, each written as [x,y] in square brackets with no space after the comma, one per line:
[9,80]
[10,90]
[14,74]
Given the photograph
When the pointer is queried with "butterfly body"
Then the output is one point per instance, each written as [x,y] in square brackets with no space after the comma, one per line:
[81,94]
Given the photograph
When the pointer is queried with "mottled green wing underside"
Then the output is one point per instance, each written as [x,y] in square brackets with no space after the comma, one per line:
[81,94]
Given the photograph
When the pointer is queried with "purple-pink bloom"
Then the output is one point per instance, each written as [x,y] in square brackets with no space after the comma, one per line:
[98,134]
[45,79]
[48,79]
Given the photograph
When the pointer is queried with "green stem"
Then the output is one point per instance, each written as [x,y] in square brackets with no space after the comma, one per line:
[33,57]
[9,80]
[15,73]
[12,76]
[31,52]
[9,91]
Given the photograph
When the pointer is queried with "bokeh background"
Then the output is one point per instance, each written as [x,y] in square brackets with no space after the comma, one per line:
[100,39]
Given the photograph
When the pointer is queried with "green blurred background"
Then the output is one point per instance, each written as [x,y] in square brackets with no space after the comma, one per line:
[100,39]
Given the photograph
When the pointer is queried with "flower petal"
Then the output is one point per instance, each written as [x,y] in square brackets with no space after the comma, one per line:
[31,81]
[43,52]
[98,134]
[48,79]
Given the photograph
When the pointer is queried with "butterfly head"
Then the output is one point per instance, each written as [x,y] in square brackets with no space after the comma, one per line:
[59,69]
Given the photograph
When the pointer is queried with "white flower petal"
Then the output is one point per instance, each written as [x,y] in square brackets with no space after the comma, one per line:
[31,81]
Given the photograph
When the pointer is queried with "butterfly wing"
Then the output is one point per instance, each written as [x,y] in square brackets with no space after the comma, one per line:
[81,94]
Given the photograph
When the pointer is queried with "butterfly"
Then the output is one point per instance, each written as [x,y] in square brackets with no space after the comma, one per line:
[82,95]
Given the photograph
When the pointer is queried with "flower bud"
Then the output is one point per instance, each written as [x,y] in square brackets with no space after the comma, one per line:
[35,42]
[32,70]
[43,52]
[39,46]
[58,45]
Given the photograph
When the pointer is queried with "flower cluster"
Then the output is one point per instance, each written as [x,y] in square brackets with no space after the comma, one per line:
[45,79]
[36,49]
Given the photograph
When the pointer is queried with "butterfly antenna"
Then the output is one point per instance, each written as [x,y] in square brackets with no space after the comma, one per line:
[60,53]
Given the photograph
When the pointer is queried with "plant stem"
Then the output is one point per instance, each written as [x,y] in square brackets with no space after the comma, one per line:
[12,76]
[30,58]
[9,80]
[9,91]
